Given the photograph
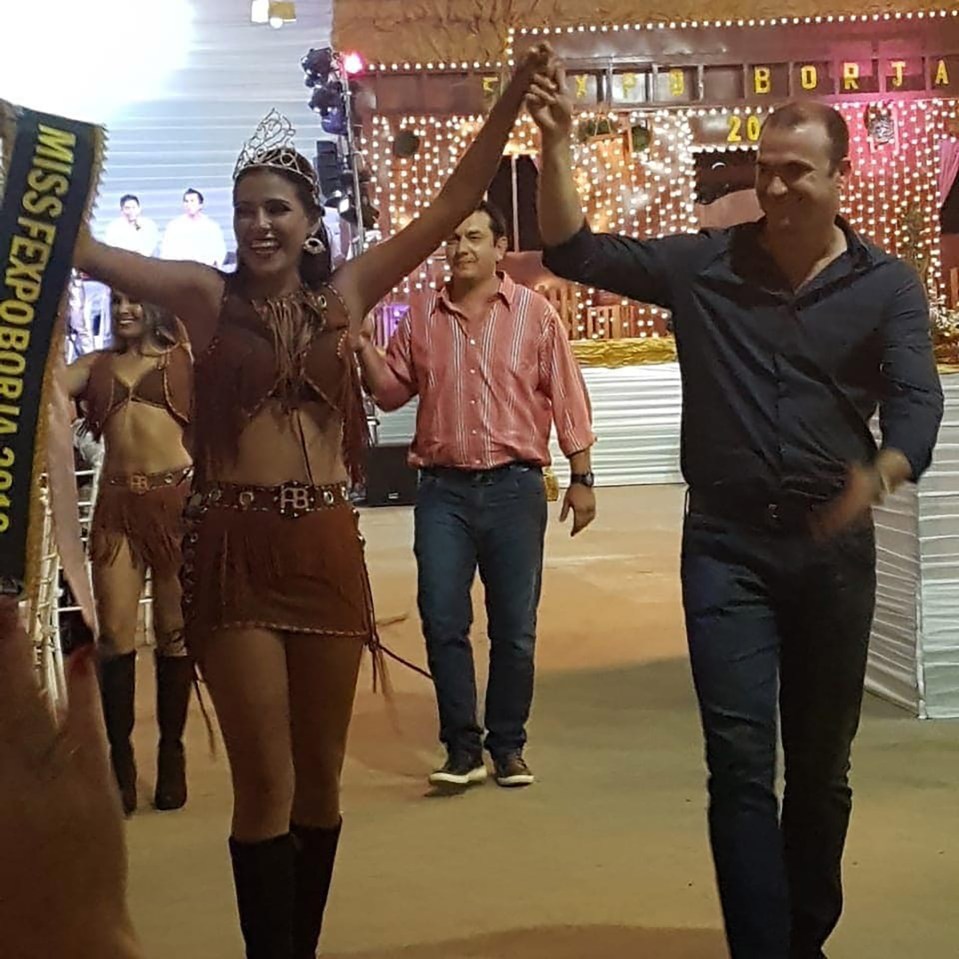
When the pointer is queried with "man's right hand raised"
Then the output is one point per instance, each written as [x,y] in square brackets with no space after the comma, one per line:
[549,104]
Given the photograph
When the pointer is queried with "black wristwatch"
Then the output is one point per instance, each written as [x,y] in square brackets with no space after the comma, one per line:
[583,479]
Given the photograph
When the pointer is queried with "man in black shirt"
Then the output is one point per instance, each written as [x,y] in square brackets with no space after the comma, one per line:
[790,332]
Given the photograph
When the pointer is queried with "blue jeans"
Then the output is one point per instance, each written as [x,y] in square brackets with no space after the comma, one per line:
[776,620]
[494,520]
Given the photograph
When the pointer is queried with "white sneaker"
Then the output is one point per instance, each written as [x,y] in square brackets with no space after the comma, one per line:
[459,771]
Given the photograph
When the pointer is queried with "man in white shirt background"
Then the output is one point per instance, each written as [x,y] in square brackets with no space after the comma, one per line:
[193,235]
[131,230]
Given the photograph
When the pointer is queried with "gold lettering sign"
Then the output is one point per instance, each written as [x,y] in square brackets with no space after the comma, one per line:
[898,73]
[677,82]
[744,131]
[850,76]
[762,80]
[942,75]
[808,77]
[629,87]
[583,88]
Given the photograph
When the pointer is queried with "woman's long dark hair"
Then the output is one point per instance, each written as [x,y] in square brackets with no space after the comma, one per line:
[315,269]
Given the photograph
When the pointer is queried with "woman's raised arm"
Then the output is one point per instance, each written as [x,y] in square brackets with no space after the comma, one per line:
[364,281]
[189,290]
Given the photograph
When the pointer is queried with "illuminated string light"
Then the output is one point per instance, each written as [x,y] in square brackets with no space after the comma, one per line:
[891,195]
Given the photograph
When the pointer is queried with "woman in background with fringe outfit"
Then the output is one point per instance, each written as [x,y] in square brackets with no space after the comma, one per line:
[137,397]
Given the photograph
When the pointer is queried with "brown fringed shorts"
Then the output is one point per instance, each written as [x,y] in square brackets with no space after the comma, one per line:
[146,512]
[286,558]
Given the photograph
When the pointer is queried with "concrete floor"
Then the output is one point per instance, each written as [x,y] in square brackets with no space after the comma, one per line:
[606,856]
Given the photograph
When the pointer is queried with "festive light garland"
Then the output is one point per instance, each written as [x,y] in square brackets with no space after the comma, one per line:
[408,66]
[651,196]
[891,195]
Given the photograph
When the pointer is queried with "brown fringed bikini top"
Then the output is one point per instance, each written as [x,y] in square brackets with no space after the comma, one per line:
[168,385]
[279,349]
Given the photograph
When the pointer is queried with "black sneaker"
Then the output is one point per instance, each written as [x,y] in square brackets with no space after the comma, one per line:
[459,770]
[511,770]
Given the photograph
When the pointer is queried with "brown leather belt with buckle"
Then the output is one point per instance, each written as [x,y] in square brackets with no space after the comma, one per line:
[144,482]
[290,500]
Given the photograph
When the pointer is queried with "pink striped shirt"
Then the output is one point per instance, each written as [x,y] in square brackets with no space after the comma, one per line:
[488,392]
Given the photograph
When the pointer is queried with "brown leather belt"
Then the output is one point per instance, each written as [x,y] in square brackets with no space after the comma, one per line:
[290,500]
[144,482]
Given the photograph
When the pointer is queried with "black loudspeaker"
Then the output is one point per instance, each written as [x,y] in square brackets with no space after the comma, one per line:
[329,167]
[390,481]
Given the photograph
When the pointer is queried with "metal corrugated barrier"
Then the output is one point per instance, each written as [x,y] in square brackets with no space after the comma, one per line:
[636,413]
[914,652]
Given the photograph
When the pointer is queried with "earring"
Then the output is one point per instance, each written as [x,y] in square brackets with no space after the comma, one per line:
[314,246]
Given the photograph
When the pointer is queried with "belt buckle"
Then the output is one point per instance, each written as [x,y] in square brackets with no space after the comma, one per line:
[138,483]
[294,500]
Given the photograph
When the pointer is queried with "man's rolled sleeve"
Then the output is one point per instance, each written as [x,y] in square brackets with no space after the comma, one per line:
[566,388]
[911,410]
[399,385]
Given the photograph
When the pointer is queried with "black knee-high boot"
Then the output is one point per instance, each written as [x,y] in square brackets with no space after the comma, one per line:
[315,856]
[118,693]
[174,675]
[263,876]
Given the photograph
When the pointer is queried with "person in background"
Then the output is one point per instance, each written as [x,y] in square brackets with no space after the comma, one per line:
[193,235]
[132,230]
[492,366]
[79,337]
[791,332]
[137,397]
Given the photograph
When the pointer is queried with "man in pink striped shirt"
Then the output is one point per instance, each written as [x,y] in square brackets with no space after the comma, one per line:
[492,367]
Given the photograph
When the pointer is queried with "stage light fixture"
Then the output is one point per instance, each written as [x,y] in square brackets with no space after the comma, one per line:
[326,97]
[353,64]
[333,121]
[317,64]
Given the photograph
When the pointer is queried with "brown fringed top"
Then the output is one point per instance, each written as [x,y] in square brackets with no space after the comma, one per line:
[282,349]
[168,385]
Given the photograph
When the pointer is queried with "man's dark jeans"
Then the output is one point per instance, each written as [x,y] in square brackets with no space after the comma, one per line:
[774,618]
[494,520]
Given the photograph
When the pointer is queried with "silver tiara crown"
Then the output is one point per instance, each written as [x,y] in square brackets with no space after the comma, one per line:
[273,147]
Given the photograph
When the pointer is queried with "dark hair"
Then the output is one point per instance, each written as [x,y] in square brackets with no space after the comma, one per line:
[195,193]
[126,199]
[801,112]
[497,221]
[315,269]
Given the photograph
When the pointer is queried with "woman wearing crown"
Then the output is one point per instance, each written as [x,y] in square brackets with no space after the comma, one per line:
[276,594]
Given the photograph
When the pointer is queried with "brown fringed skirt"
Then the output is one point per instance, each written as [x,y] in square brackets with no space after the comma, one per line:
[286,558]
[145,511]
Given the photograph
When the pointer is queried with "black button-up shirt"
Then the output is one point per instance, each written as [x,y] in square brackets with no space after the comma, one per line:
[779,386]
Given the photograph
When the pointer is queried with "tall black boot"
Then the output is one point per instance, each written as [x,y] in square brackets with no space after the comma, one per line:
[174,676]
[315,855]
[263,876]
[118,692]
